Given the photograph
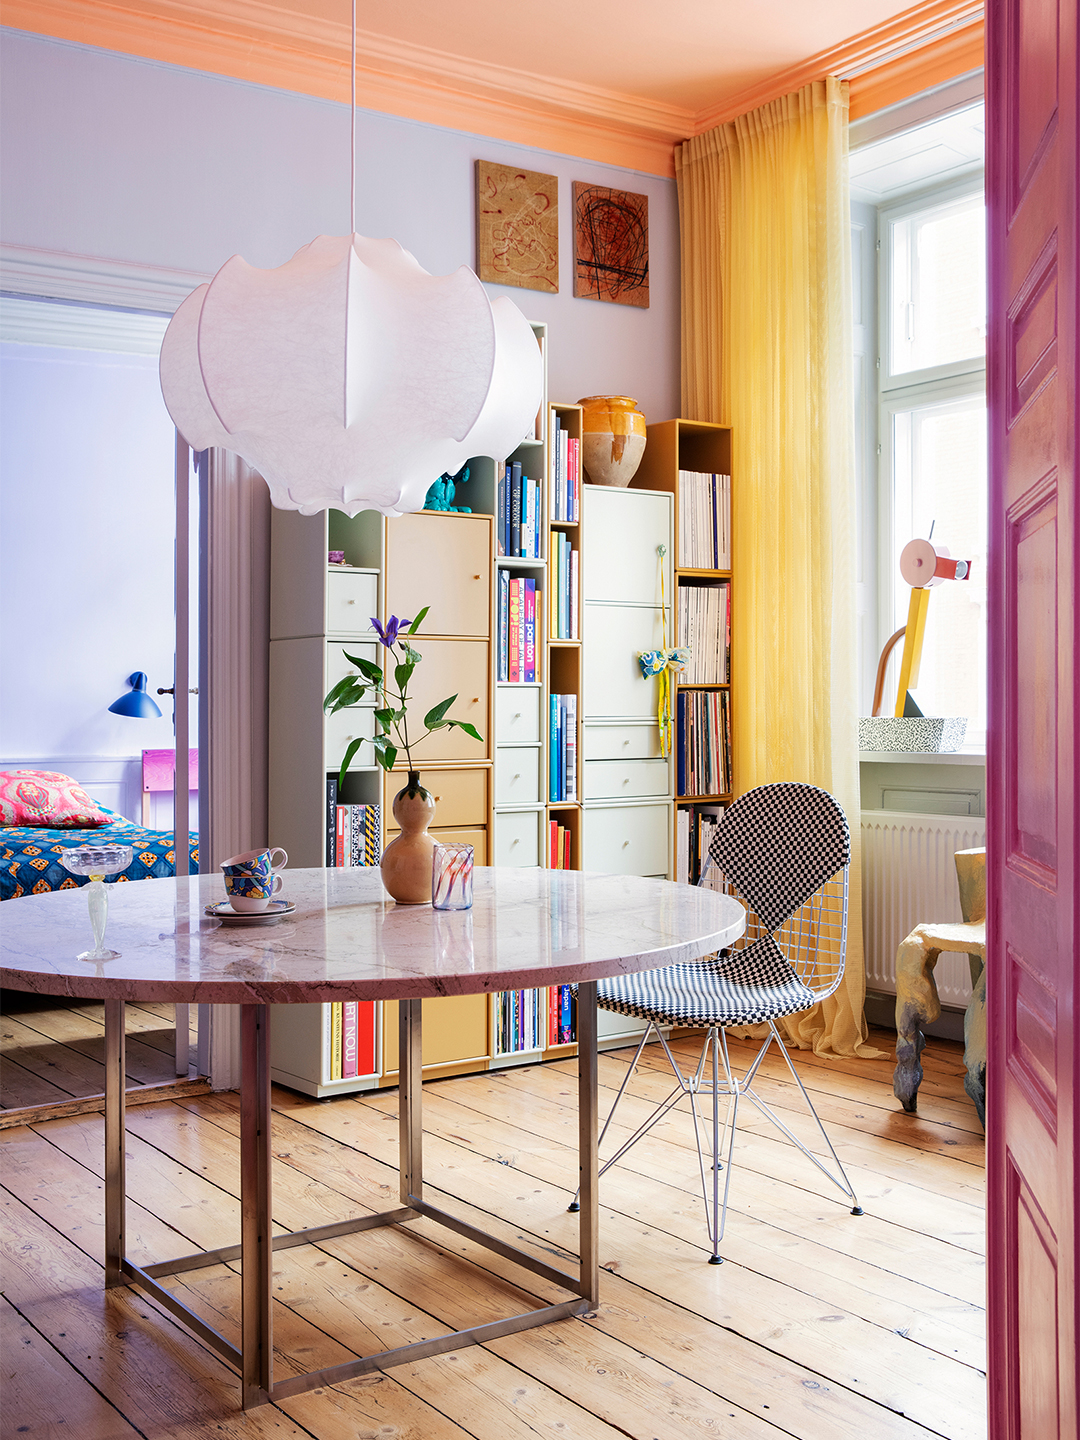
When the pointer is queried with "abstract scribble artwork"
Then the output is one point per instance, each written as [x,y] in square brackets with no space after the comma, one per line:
[517,227]
[611,245]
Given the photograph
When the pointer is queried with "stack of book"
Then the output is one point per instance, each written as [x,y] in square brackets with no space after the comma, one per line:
[517,512]
[565,474]
[695,826]
[350,1038]
[705,628]
[558,846]
[703,720]
[518,1022]
[564,588]
[562,748]
[353,832]
[562,1015]
[517,629]
[704,521]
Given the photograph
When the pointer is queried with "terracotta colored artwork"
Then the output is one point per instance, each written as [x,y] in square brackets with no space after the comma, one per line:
[517,227]
[611,245]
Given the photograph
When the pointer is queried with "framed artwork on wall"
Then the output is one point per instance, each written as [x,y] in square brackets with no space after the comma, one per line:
[517,227]
[611,245]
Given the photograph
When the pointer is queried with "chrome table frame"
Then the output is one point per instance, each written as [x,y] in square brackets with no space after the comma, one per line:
[254,1358]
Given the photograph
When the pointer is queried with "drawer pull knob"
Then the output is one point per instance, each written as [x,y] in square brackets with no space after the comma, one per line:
[518,776]
[626,780]
[476,577]
[476,699]
[625,843]
[518,715]
[513,843]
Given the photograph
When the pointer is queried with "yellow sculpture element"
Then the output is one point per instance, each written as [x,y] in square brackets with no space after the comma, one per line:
[913,644]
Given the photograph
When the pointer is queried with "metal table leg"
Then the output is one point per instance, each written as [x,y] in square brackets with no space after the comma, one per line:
[255,1234]
[115,1189]
[588,1145]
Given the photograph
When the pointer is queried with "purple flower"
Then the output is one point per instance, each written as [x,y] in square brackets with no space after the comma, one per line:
[394,626]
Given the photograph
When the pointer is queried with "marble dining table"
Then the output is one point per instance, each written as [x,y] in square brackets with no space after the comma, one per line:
[347,940]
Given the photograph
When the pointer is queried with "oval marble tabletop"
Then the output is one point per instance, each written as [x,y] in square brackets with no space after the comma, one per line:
[346,939]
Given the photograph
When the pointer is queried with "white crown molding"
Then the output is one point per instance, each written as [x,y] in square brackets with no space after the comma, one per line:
[94,280]
[79,327]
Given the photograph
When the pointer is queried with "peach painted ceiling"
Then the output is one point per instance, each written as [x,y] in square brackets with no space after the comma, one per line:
[689,54]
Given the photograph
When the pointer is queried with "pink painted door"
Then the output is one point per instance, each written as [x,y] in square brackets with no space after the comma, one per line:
[1033,1074]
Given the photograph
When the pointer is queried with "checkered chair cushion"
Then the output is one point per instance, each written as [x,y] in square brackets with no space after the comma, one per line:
[736,987]
[778,844]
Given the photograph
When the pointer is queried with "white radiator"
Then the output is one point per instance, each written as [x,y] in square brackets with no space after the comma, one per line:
[909,878]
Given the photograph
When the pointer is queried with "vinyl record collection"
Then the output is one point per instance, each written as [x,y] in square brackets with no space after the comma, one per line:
[704,521]
[705,628]
[703,719]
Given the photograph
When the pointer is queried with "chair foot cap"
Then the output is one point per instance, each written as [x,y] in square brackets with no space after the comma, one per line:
[716,1259]
[858,1210]
[574,1207]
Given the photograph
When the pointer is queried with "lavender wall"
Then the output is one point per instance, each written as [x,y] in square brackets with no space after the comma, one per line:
[106,155]
[86,550]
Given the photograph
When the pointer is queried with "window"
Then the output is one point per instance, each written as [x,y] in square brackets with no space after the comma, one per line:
[932,433]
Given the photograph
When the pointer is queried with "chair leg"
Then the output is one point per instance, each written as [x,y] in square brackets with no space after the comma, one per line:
[843,1183]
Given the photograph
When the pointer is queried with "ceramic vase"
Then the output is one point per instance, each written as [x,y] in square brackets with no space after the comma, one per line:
[406,861]
[613,438]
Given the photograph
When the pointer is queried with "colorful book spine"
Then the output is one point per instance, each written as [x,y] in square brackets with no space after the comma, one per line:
[341,844]
[331,820]
[570,747]
[573,466]
[529,672]
[503,625]
[349,1039]
[514,632]
[574,595]
[500,486]
[335,1040]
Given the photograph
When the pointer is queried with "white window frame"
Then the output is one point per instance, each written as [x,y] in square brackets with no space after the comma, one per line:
[953,381]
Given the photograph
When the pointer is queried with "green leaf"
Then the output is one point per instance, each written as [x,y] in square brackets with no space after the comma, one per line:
[436,716]
[367,668]
[415,626]
[346,692]
[388,756]
[381,742]
[413,656]
[354,746]
[469,729]
[402,675]
[385,718]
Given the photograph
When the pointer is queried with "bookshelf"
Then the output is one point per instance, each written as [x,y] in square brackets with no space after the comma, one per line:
[702,603]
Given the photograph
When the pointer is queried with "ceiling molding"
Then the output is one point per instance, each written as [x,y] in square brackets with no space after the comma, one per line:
[79,327]
[262,43]
[924,26]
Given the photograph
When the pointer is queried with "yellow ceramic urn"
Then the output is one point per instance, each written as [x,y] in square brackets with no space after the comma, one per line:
[613,438]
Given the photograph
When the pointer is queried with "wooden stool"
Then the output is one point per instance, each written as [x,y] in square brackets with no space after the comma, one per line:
[917,1002]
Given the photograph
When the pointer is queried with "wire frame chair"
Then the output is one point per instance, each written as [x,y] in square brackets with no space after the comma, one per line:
[784,852]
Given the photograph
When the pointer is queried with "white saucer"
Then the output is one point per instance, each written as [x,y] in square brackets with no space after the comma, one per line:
[224,912]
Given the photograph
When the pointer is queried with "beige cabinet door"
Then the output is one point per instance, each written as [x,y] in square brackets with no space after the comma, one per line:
[443,561]
[461,796]
[451,667]
[455,1030]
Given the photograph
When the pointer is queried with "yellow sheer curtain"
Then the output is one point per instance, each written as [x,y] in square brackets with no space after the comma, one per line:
[767,343]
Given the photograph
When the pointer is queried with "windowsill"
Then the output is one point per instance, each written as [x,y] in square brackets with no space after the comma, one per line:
[965,756]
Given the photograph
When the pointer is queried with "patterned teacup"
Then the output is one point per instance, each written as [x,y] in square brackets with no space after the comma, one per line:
[252,879]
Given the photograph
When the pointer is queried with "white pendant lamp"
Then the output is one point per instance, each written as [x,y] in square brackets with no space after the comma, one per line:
[350,377]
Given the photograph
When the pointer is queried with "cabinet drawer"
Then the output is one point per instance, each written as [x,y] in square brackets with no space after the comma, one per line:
[517,715]
[352,598]
[344,727]
[443,561]
[517,838]
[517,776]
[621,742]
[627,839]
[614,684]
[461,796]
[337,667]
[624,779]
[451,667]
[625,568]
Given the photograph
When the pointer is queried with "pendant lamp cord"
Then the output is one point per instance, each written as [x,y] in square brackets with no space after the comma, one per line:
[352,131]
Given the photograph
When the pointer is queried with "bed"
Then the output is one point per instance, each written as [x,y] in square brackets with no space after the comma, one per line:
[31,860]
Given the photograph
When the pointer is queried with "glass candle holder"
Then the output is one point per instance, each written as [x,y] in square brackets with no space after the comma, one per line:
[97,861]
[452,877]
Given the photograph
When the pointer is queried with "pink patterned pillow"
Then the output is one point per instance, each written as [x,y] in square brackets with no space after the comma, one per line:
[48,799]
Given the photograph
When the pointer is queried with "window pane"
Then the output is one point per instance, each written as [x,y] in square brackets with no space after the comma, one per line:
[938,301]
[939,468]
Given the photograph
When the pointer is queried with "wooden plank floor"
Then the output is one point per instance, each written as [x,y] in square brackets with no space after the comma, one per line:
[819,1324]
[53,1050]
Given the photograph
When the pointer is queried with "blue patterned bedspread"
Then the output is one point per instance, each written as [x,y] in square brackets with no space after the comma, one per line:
[30,856]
